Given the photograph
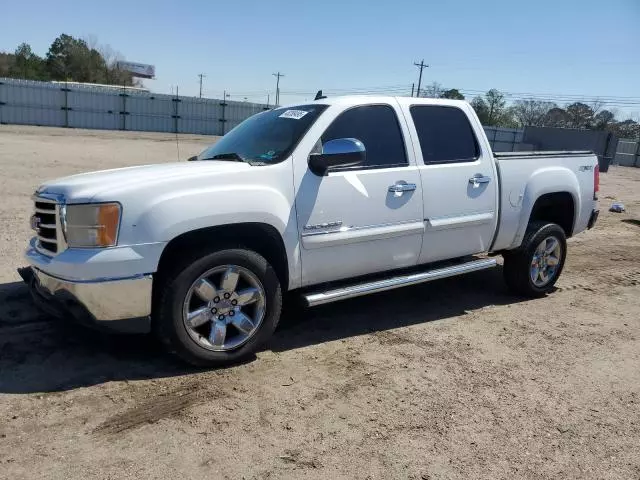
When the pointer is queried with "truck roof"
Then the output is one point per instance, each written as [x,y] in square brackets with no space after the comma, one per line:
[368,99]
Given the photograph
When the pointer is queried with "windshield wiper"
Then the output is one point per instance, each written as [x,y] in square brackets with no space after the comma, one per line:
[233,156]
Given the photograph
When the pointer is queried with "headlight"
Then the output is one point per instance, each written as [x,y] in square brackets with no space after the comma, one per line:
[93,225]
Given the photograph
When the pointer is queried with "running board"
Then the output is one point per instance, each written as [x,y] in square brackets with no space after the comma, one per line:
[376,286]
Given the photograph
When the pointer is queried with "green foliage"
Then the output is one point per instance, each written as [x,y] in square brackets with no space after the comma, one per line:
[532,112]
[27,64]
[69,59]
[492,109]
[453,94]
[580,115]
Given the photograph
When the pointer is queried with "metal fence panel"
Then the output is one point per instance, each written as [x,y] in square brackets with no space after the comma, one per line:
[504,139]
[628,153]
[29,115]
[24,103]
[114,108]
[200,115]
[90,109]
[150,113]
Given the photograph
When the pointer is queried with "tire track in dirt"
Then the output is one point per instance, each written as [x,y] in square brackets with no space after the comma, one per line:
[155,409]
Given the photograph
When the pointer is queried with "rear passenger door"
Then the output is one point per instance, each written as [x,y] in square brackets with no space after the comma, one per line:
[459,181]
[362,219]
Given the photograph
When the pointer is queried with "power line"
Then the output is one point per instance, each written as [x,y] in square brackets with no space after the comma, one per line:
[612,101]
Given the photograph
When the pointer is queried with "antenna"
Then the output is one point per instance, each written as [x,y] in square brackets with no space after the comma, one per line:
[319,95]
[177,142]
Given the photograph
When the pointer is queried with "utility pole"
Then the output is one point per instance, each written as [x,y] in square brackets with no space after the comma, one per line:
[421,66]
[413,87]
[278,75]
[201,75]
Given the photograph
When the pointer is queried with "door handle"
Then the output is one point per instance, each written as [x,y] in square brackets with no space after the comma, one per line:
[402,187]
[477,179]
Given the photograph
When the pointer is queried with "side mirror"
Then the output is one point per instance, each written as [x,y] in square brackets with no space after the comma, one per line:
[341,152]
[192,159]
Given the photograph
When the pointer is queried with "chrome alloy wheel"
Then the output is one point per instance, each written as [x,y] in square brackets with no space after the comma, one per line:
[224,308]
[545,261]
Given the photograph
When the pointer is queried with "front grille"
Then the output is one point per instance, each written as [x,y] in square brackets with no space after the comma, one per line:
[45,222]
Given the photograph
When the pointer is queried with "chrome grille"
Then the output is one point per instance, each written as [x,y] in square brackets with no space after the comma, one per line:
[46,223]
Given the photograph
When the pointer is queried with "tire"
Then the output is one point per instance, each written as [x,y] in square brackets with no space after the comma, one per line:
[519,264]
[184,293]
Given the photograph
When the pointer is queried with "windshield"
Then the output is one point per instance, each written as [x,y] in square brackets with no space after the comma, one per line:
[268,137]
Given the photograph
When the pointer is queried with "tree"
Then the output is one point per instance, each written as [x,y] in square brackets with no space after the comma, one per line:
[482,110]
[27,64]
[70,58]
[7,60]
[453,94]
[492,109]
[66,57]
[626,129]
[580,115]
[432,91]
[557,117]
[532,112]
[496,105]
[603,119]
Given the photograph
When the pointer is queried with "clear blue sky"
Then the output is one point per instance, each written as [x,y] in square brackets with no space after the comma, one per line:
[582,47]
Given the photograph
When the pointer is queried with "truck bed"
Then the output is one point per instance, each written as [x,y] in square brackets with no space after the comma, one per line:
[521,183]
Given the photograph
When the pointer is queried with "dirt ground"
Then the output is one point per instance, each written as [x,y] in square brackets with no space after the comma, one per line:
[455,379]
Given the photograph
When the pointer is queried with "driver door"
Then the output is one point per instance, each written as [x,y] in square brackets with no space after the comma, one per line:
[363,219]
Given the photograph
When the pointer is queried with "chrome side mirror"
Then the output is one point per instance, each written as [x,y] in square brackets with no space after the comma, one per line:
[341,152]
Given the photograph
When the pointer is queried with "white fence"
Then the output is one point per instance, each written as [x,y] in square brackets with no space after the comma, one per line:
[112,108]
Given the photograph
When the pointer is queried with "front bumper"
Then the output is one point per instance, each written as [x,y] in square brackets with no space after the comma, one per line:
[122,305]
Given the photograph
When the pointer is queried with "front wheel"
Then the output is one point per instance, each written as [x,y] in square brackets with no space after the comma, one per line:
[217,308]
[533,269]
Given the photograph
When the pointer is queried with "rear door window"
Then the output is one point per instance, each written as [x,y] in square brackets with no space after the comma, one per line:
[445,134]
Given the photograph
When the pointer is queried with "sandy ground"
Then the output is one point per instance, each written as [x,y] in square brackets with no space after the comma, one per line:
[450,380]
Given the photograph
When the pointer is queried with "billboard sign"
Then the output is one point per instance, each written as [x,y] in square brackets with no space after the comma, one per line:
[141,70]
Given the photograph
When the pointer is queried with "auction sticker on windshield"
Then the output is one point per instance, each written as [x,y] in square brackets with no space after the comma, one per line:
[296,114]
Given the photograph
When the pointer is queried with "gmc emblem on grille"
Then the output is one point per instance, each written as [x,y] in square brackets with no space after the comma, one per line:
[35,222]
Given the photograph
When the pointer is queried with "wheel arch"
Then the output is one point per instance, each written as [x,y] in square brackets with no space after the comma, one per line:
[555,207]
[259,237]
[551,194]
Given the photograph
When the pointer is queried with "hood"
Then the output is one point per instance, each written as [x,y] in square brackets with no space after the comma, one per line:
[85,187]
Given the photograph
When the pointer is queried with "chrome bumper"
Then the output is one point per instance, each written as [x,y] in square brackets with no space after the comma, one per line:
[115,304]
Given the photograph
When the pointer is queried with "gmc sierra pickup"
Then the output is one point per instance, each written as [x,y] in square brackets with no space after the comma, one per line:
[333,199]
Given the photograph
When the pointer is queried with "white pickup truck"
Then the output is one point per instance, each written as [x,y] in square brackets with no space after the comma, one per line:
[332,199]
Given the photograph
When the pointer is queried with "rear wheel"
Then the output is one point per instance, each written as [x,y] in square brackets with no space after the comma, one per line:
[218,308]
[533,269]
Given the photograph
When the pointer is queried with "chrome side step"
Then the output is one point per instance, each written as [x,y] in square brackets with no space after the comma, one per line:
[376,286]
